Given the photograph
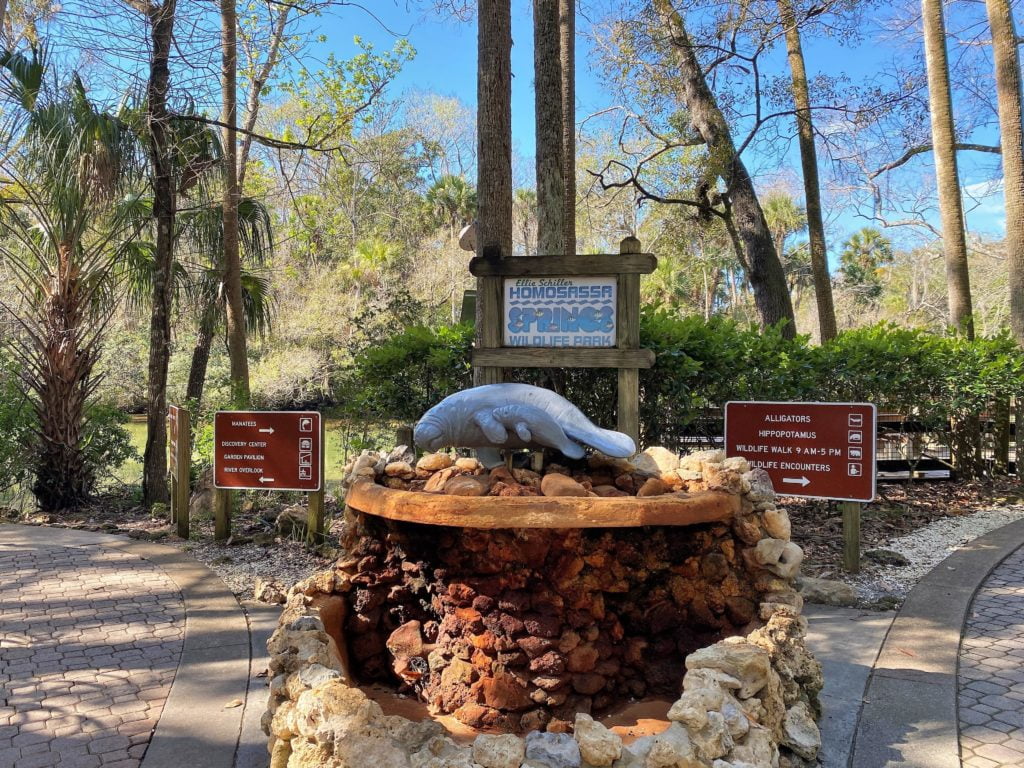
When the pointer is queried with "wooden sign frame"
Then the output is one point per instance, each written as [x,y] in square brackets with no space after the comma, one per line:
[491,357]
[179,446]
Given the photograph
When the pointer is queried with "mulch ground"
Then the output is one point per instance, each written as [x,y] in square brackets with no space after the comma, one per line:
[900,509]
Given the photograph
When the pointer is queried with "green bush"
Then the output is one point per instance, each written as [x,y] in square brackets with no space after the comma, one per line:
[106,443]
[933,380]
[17,429]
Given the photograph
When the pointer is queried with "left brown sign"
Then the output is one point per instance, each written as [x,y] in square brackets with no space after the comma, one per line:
[275,450]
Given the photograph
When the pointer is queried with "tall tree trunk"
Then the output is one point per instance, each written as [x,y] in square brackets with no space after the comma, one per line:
[253,100]
[494,142]
[547,73]
[201,356]
[63,476]
[809,164]
[765,273]
[237,348]
[1011,139]
[940,106]
[567,48]
[154,472]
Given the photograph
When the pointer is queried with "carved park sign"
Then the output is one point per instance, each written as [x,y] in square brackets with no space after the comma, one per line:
[270,450]
[814,450]
[559,311]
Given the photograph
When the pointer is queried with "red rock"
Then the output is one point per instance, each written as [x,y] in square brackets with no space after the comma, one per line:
[588,683]
[542,626]
[560,485]
[502,474]
[582,658]
[608,491]
[504,692]
[406,641]
[535,646]
[551,682]
[626,483]
[548,664]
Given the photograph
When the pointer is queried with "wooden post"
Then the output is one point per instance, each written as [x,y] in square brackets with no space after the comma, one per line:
[851,536]
[628,337]
[403,436]
[315,515]
[489,299]
[180,478]
[222,500]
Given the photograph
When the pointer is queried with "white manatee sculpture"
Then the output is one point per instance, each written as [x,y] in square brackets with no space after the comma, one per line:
[498,416]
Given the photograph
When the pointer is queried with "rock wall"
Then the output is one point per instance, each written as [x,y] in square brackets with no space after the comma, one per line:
[532,631]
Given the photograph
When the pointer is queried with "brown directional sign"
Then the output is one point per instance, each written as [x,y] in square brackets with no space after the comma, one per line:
[276,450]
[815,450]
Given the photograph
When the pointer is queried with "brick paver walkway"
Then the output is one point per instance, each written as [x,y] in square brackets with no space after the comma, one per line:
[89,643]
[991,695]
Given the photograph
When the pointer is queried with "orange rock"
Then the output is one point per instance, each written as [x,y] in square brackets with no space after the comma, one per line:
[436,482]
[467,485]
[561,485]
[653,487]
[607,491]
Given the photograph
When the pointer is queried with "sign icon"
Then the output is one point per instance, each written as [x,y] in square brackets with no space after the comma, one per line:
[305,473]
[305,444]
[306,424]
[855,420]
[856,436]
[854,470]
[855,452]
[305,459]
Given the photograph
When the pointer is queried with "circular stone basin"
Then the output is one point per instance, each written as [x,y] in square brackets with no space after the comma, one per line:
[516,613]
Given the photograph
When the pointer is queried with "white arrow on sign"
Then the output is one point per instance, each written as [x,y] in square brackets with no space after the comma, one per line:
[266,479]
[801,481]
[268,430]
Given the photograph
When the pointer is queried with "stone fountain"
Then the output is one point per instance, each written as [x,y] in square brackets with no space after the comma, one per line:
[496,615]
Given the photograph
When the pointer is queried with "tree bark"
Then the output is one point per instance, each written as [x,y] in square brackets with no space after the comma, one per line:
[940,106]
[567,48]
[1011,138]
[201,357]
[237,347]
[253,100]
[494,145]
[154,472]
[765,273]
[809,164]
[547,73]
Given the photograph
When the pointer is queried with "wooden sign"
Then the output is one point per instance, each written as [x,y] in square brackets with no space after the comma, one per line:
[813,450]
[179,459]
[577,311]
[559,311]
[275,450]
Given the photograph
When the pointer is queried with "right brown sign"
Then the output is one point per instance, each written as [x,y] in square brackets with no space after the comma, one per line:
[815,450]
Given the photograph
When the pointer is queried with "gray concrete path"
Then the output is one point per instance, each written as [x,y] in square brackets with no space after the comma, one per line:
[116,652]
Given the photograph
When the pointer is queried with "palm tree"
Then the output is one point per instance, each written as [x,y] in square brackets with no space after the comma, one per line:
[66,215]
[451,202]
[951,209]
[862,261]
[547,77]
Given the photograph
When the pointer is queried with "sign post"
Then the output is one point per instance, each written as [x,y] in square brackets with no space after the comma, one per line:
[812,450]
[179,454]
[267,450]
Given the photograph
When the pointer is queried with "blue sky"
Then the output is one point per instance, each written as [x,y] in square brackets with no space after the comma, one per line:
[446,63]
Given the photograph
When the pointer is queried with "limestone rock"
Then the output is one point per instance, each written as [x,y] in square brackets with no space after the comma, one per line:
[736,719]
[691,709]
[560,485]
[498,751]
[400,469]
[827,592]
[709,678]
[768,551]
[656,461]
[776,522]
[293,521]
[599,746]
[746,662]
[736,464]
[800,732]
[696,461]
[554,750]
[788,564]
[713,740]
[467,485]
[672,748]
[756,749]
[432,462]
[268,591]
[468,464]
[761,489]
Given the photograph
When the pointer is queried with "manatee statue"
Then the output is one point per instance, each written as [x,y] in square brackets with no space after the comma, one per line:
[514,416]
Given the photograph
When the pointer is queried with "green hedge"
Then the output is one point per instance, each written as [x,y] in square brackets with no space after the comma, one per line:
[703,364]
